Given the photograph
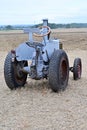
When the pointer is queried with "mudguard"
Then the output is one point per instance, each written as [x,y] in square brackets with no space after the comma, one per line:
[49,49]
[24,52]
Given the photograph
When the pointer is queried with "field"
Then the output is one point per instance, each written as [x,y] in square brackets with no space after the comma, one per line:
[36,107]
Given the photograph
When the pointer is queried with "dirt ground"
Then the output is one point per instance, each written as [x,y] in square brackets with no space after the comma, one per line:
[36,107]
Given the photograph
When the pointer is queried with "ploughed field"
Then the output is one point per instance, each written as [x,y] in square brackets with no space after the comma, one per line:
[36,107]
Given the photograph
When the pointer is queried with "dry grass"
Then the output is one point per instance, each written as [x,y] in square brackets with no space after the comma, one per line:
[36,107]
[75,37]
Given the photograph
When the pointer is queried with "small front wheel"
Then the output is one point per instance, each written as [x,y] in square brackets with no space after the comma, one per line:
[77,69]
[14,77]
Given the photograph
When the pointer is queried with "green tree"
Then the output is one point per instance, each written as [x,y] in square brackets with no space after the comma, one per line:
[8,27]
[67,25]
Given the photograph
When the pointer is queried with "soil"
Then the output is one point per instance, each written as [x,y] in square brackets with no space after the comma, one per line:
[35,106]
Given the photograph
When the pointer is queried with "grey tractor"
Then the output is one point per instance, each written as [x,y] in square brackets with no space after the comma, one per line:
[39,60]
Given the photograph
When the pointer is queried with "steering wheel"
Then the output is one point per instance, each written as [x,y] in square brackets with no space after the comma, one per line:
[44,30]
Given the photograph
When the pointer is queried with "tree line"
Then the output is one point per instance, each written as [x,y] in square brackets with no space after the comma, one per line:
[51,25]
[71,25]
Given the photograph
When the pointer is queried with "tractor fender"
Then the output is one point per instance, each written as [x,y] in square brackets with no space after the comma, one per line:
[50,47]
[24,52]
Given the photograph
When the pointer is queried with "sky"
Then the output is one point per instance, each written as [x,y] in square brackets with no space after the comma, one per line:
[33,11]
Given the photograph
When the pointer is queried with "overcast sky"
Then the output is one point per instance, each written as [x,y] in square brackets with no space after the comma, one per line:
[33,11]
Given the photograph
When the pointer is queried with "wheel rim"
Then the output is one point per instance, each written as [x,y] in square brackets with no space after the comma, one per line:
[63,74]
[79,70]
[18,74]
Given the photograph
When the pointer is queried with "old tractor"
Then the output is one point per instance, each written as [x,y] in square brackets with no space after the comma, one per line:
[39,60]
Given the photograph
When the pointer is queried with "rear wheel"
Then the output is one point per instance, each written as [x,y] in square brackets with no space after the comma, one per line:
[77,69]
[14,77]
[58,71]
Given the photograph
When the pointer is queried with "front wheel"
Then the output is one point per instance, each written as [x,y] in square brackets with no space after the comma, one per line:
[77,69]
[58,71]
[14,77]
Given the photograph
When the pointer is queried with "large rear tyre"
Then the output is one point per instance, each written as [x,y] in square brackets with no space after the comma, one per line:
[77,69]
[14,77]
[58,71]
